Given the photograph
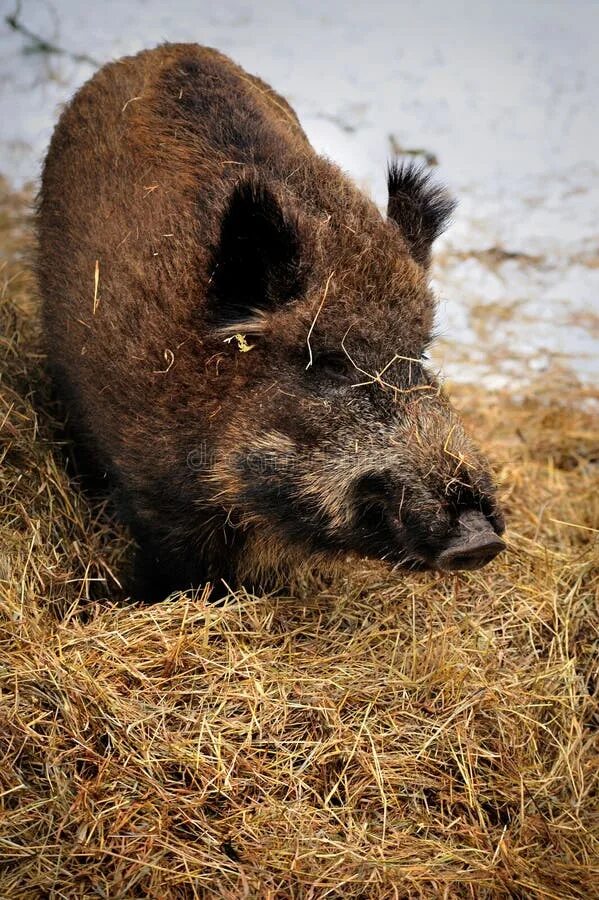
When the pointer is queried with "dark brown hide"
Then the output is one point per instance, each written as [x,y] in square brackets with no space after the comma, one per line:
[182,205]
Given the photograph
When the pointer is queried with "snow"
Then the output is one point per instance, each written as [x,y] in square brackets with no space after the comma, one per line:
[503,94]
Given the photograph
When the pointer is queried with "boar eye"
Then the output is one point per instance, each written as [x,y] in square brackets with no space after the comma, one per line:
[332,365]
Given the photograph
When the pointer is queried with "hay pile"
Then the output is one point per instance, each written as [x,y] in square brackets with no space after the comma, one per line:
[418,736]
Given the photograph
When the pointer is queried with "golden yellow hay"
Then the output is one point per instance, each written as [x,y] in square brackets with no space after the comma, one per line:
[387,736]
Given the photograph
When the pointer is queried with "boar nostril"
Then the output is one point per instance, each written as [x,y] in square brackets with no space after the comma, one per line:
[473,545]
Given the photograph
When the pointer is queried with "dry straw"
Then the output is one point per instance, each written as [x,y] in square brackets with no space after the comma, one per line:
[385,736]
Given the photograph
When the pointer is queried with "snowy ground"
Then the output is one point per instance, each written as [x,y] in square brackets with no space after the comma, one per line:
[503,95]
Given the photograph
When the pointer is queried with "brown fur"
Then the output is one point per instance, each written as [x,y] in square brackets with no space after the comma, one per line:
[138,186]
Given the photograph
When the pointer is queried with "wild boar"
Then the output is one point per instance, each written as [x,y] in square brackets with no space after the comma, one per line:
[239,335]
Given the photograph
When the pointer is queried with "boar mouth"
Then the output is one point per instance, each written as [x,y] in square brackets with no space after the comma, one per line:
[381,535]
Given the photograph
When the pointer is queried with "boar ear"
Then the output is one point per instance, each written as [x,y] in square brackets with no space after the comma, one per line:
[420,207]
[257,265]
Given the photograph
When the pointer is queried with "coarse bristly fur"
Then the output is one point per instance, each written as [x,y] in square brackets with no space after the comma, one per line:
[238,333]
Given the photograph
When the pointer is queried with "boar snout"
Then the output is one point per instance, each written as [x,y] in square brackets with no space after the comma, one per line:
[411,527]
[473,544]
